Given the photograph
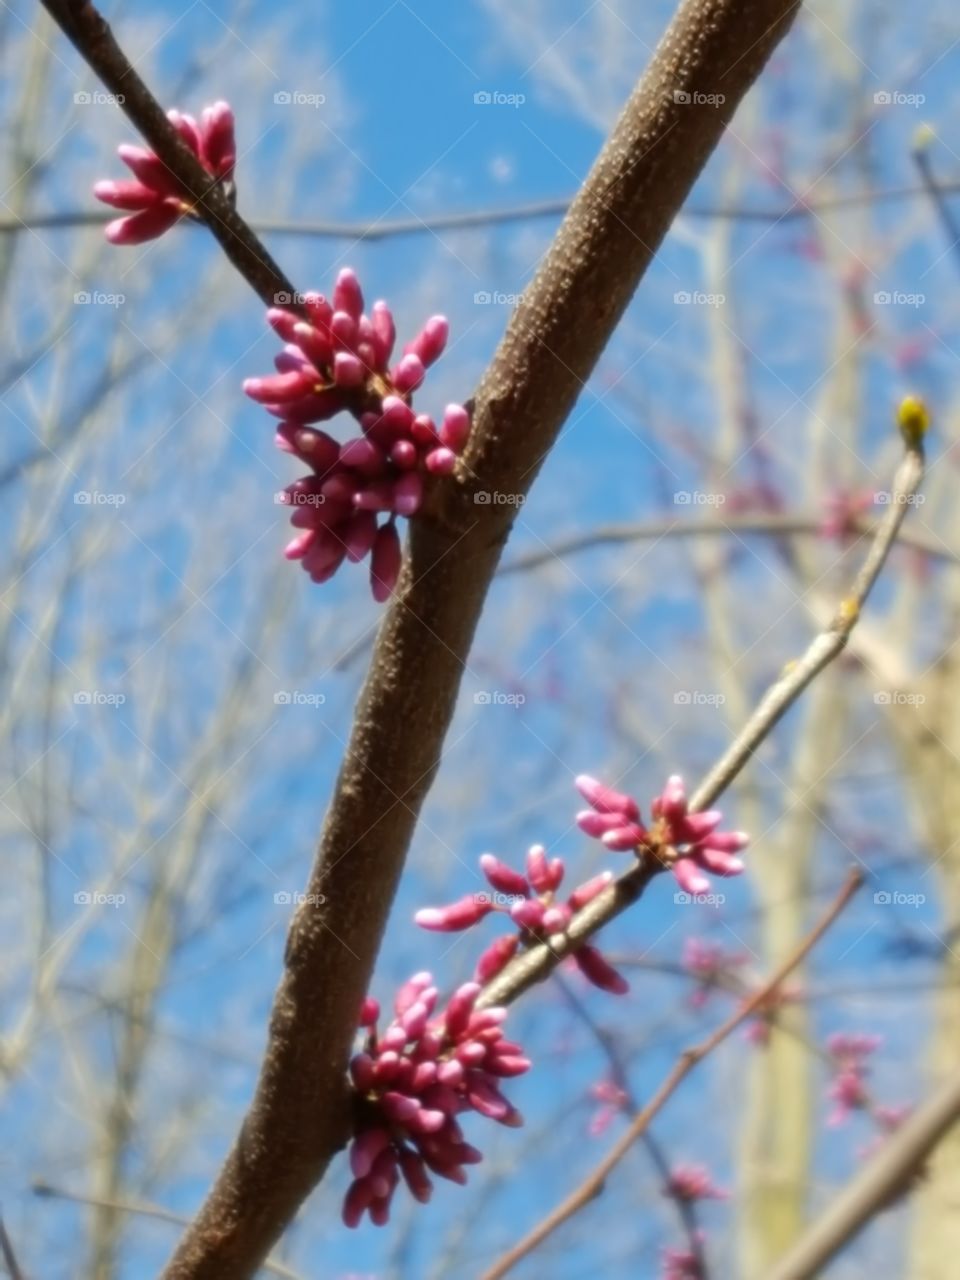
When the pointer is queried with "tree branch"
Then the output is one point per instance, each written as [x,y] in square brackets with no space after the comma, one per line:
[299,1115]
[592,1185]
[882,1181]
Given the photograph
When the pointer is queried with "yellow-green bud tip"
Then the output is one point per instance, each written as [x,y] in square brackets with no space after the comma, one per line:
[913,419]
[923,137]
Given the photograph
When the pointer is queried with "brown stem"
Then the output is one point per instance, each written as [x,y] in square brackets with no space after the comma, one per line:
[592,1185]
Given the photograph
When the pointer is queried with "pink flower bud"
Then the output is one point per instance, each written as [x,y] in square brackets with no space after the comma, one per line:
[499,953]
[528,914]
[544,876]
[599,971]
[458,915]
[459,1008]
[407,493]
[503,878]
[587,891]
[623,839]
[140,227]
[384,332]
[689,878]
[348,370]
[605,799]
[441,462]
[369,1011]
[455,427]
[429,343]
[347,294]
[408,374]
[365,1149]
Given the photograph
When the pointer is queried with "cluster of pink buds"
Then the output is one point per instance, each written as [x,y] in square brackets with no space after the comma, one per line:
[692,1182]
[412,1080]
[613,1102]
[336,357]
[711,965]
[842,510]
[689,843]
[530,902]
[153,198]
[681,1264]
[848,1088]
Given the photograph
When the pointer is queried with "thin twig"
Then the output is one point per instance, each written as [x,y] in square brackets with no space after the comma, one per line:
[87,30]
[889,1175]
[688,1060]
[143,1209]
[535,964]
[9,1257]
[431,224]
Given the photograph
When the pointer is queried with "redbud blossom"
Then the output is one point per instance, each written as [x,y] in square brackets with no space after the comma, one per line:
[338,359]
[412,1081]
[692,1182]
[689,843]
[848,1088]
[154,198]
[530,903]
